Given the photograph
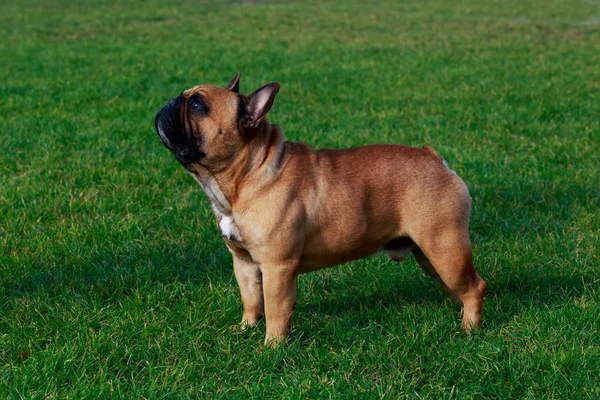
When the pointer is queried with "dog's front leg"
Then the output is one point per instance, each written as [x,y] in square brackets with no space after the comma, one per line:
[249,279]
[279,287]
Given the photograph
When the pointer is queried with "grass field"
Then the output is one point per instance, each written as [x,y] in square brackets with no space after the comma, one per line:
[114,282]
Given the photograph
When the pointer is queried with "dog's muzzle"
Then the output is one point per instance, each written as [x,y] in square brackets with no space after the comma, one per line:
[172,133]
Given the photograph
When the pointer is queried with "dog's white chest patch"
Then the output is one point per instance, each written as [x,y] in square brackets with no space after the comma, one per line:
[226,226]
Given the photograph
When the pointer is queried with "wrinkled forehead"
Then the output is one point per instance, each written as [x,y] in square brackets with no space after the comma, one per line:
[207,91]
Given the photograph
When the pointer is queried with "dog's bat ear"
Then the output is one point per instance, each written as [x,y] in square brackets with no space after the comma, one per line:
[234,84]
[258,104]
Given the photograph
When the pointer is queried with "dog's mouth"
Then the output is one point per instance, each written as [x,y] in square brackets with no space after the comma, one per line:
[182,150]
[169,129]
[160,129]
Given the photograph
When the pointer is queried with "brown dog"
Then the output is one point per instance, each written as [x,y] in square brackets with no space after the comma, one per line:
[284,209]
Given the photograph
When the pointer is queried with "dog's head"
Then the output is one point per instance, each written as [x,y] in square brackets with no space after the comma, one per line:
[209,124]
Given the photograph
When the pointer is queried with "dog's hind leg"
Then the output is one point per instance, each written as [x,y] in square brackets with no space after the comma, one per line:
[449,258]
[425,264]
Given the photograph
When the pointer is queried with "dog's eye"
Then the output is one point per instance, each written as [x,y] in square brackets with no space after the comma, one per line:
[196,104]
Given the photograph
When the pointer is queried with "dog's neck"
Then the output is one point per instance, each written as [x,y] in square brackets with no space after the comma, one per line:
[257,162]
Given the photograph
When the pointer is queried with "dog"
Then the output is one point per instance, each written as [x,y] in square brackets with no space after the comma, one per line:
[284,209]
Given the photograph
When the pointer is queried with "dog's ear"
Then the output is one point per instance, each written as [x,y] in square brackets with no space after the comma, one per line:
[258,104]
[234,84]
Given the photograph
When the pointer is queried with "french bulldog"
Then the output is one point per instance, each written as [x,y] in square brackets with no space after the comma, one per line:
[284,209]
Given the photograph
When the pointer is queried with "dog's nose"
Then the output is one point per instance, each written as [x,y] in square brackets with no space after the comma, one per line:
[174,102]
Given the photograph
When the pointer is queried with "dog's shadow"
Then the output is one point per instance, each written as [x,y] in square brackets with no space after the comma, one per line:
[504,218]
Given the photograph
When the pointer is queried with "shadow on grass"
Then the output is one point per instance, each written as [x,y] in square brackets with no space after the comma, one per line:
[118,275]
[533,220]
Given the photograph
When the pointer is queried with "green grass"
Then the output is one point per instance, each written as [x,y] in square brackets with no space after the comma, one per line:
[114,281]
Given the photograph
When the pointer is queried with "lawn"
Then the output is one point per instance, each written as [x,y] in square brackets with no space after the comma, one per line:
[114,281]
